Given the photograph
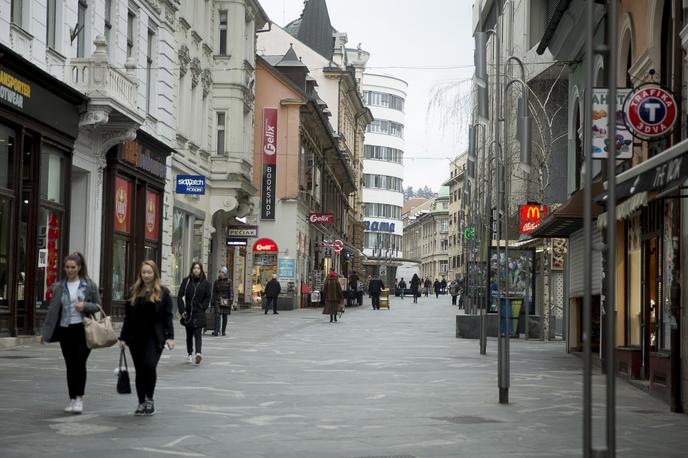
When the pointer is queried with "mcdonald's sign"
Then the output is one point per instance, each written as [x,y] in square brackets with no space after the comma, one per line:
[531,217]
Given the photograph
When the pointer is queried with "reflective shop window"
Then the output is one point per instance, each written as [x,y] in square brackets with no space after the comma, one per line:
[119,268]
[52,174]
[49,241]
[187,243]
[7,144]
[5,215]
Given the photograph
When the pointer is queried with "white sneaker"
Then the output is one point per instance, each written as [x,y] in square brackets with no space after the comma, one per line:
[78,406]
[190,359]
[198,358]
[70,406]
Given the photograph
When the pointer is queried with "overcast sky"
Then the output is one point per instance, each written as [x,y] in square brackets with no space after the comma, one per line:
[429,43]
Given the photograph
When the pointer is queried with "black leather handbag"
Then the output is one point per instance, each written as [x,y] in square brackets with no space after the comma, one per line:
[123,383]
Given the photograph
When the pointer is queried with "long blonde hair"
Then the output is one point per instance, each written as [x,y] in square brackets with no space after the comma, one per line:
[139,289]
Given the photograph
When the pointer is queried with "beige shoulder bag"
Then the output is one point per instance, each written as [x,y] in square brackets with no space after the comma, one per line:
[99,332]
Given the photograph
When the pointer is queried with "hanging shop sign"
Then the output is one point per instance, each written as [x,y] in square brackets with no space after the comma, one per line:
[236,241]
[265,246]
[338,246]
[242,231]
[190,184]
[378,226]
[531,217]
[650,112]
[267,206]
[144,159]
[320,218]
[600,124]
[469,233]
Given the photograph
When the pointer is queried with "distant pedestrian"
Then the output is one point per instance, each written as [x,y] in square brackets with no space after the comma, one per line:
[426,286]
[375,287]
[437,286]
[147,329]
[73,297]
[443,286]
[402,287]
[352,289]
[272,292]
[332,296]
[223,295]
[454,290]
[415,285]
[193,299]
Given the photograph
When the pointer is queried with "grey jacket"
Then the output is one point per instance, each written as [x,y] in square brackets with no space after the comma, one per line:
[52,318]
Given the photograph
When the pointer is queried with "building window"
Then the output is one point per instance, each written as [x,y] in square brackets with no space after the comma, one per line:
[107,23]
[149,71]
[81,36]
[223,33]
[382,182]
[50,21]
[383,99]
[130,34]
[383,126]
[383,153]
[17,12]
[538,20]
[221,124]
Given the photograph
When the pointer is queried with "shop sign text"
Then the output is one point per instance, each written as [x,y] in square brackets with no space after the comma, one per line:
[378,226]
[190,184]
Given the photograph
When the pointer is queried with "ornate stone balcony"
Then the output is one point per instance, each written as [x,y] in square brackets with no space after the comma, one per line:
[112,92]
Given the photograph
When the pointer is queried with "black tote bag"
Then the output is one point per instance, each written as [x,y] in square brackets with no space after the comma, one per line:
[123,384]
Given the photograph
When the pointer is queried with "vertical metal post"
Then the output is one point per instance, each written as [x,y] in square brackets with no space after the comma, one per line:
[587,230]
[486,216]
[611,229]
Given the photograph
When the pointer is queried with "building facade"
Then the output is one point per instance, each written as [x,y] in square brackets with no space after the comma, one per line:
[457,169]
[426,236]
[383,173]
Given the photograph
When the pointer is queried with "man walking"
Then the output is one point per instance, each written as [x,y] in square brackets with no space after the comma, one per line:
[272,292]
[353,288]
[402,287]
[375,287]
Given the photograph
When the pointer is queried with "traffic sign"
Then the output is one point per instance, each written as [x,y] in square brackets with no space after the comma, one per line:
[650,112]
[338,246]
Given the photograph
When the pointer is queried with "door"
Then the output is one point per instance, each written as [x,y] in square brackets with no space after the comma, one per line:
[650,302]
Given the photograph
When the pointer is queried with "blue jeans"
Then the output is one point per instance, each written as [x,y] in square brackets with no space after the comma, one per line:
[401,292]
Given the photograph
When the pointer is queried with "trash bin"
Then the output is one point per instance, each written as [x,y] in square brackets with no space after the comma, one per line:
[514,313]
[384,298]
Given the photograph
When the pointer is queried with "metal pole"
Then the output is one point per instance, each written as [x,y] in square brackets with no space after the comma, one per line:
[611,230]
[486,214]
[587,229]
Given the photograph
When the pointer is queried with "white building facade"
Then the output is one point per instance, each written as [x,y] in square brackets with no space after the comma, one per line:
[383,172]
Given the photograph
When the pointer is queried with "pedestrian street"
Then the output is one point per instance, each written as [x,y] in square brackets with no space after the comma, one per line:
[377,383]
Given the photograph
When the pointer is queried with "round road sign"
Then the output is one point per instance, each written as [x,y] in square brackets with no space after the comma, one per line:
[338,246]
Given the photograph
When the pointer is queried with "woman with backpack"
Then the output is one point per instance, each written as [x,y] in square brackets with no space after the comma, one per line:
[193,299]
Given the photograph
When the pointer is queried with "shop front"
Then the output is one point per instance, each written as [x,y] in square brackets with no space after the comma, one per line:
[39,122]
[132,215]
[264,267]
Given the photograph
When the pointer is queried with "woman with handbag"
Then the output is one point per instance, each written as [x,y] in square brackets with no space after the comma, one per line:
[193,299]
[147,328]
[73,297]
[223,294]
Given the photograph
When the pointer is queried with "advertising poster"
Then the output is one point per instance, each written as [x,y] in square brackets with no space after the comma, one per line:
[600,124]
[518,271]
[152,215]
[122,204]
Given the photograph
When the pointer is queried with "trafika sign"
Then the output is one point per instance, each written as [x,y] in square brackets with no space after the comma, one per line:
[321,218]
[531,217]
[268,188]
[265,246]
[650,112]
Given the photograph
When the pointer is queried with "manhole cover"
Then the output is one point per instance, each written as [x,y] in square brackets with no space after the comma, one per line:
[16,357]
[466,420]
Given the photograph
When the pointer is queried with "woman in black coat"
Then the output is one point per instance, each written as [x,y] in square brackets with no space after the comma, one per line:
[147,328]
[415,286]
[437,286]
[193,299]
[223,294]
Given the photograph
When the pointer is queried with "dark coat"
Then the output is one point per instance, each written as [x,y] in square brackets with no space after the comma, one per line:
[273,288]
[353,282]
[415,283]
[164,329]
[54,314]
[222,289]
[375,286]
[197,298]
[437,286]
[332,295]
[402,284]
[427,283]
[443,284]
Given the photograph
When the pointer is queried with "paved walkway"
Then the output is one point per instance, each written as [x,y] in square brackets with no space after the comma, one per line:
[377,384]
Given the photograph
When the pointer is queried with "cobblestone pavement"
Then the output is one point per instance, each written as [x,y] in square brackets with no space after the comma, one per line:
[377,384]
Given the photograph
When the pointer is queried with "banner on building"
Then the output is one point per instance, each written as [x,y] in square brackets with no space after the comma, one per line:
[600,124]
[267,195]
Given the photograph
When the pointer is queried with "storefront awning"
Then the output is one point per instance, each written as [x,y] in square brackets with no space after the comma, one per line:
[568,218]
[625,209]
[658,174]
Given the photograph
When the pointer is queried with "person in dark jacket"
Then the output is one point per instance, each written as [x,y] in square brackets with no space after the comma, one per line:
[73,297]
[415,288]
[437,286]
[402,287]
[193,299]
[332,296]
[147,328]
[443,286]
[426,286]
[223,295]
[375,287]
[353,288]
[272,292]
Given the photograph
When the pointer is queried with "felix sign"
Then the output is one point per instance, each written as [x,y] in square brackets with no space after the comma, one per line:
[531,217]
[268,189]
[320,218]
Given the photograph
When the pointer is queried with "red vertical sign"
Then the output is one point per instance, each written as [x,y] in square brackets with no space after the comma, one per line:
[122,204]
[267,198]
[152,213]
